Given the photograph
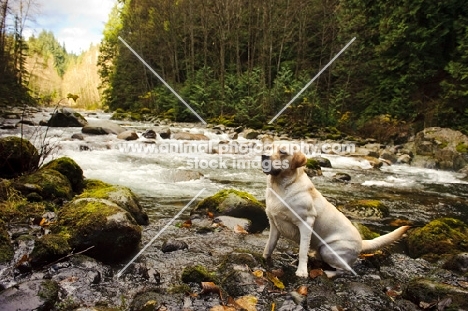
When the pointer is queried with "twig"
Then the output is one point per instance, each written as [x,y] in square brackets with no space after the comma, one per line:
[67,256]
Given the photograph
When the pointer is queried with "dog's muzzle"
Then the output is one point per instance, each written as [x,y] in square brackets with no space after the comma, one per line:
[267,166]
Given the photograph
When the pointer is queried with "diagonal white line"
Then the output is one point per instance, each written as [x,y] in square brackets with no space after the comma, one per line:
[162,80]
[312,230]
[159,233]
[311,81]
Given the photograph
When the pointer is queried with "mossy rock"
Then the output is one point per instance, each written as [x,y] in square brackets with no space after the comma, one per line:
[313,164]
[146,301]
[365,232]
[18,156]
[365,209]
[48,183]
[101,224]
[438,238]
[424,290]
[122,196]
[49,248]
[68,167]
[235,203]
[6,248]
[30,295]
[197,274]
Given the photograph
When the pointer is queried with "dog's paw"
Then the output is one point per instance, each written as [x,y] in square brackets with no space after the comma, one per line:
[302,273]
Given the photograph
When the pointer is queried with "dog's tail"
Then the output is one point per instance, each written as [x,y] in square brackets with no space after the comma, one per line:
[381,241]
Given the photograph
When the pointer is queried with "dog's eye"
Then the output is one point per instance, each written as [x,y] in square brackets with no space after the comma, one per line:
[283,152]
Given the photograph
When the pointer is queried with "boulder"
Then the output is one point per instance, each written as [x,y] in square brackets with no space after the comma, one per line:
[128,135]
[449,148]
[323,162]
[48,183]
[30,295]
[189,136]
[102,127]
[440,237]
[230,202]
[111,231]
[165,133]
[122,196]
[68,167]
[66,117]
[17,156]
[150,134]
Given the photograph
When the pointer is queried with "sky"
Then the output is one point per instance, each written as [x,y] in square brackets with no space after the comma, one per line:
[75,23]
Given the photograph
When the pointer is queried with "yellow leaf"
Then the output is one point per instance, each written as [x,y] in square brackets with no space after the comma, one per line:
[247,303]
[258,273]
[239,229]
[275,280]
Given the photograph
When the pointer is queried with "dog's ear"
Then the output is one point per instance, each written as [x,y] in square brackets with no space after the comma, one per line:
[299,159]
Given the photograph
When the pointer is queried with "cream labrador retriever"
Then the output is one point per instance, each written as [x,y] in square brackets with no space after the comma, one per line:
[297,210]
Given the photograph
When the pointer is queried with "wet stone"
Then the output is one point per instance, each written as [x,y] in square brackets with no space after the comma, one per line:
[173,245]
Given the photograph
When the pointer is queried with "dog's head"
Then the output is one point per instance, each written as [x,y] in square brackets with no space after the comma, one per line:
[282,161]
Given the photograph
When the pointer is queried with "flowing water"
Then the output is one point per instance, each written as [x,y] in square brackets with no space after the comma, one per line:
[166,179]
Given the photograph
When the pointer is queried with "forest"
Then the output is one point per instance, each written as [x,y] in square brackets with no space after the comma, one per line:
[239,62]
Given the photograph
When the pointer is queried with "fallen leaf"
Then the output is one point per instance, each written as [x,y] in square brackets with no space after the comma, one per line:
[258,273]
[187,224]
[209,287]
[210,215]
[22,260]
[239,229]
[315,273]
[273,278]
[222,308]
[302,290]
[277,272]
[463,284]
[247,303]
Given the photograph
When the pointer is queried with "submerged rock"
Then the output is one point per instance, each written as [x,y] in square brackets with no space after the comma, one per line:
[17,156]
[230,202]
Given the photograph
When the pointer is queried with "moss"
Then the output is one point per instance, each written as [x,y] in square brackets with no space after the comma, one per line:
[437,238]
[6,248]
[462,147]
[16,208]
[180,289]
[313,164]
[197,274]
[421,289]
[49,292]
[145,110]
[48,249]
[18,156]
[69,169]
[122,196]
[366,209]
[51,184]
[5,189]
[213,203]
[365,232]
[119,110]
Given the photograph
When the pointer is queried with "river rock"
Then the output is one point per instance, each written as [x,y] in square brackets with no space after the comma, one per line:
[48,249]
[197,274]
[457,263]
[48,183]
[323,162]
[250,134]
[440,237]
[426,293]
[449,148]
[70,169]
[389,156]
[67,117]
[365,209]
[101,224]
[189,136]
[31,295]
[341,177]
[149,134]
[17,156]
[404,159]
[230,202]
[313,168]
[122,196]
[77,136]
[102,127]
[173,245]
[128,135]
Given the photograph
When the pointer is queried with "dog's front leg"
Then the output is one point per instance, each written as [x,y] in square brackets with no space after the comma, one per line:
[305,231]
[272,240]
